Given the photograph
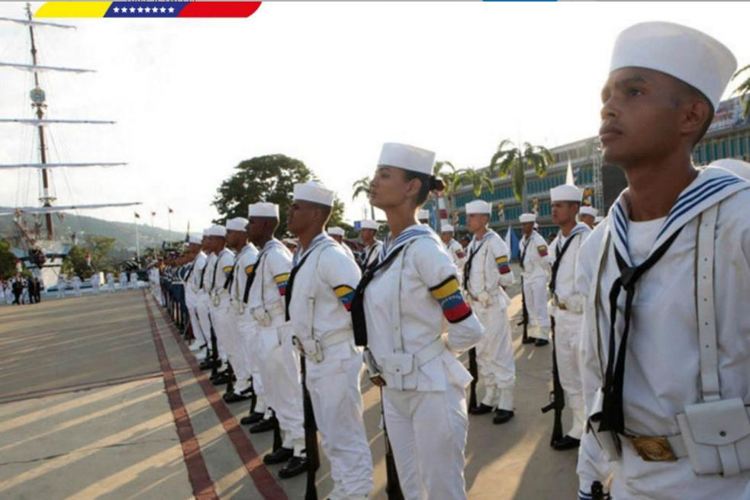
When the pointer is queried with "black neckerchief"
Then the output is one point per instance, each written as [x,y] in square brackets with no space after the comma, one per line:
[558,259]
[251,277]
[525,248]
[295,270]
[470,260]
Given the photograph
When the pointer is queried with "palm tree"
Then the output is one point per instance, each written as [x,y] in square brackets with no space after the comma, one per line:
[362,187]
[744,89]
[513,160]
[478,179]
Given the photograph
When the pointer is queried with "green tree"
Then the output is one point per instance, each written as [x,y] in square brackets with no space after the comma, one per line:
[512,160]
[7,261]
[743,90]
[99,248]
[268,178]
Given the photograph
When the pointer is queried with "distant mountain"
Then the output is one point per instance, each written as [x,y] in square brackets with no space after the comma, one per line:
[82,226]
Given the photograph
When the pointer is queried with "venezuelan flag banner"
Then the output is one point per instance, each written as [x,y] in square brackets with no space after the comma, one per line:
[154,9]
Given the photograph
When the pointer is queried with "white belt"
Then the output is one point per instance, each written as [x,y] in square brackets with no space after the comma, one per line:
[398,365]
[314,348]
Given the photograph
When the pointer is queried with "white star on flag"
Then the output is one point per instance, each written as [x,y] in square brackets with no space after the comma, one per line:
[148,10]
[140,9]
[116,9]
[132,9]
[171,10]
[163,10]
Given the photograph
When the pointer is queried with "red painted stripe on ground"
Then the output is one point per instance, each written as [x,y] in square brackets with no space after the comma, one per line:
[264,481]
[200,480]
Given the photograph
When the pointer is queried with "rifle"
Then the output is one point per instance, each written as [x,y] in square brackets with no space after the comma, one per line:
[311,436]
[214,351]
[473,369]
[557,396]
[392,485]
[524,318]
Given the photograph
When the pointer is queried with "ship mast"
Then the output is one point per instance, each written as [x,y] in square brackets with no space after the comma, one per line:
[39,104]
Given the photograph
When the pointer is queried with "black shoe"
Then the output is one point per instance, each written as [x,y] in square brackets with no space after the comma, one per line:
[541,342]
[480,410]
[263,426]
[566,443]
[233,397]
[220,379]
[527,340]
[294,467]
[502,416]
[279,456]
[208,364]
[251,419]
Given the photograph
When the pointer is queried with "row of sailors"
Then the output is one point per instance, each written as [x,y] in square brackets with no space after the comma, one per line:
[675,424]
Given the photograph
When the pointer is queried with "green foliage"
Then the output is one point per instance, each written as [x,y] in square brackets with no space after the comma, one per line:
[100,248]
[512,160]
[743,89]
[7,261]
[268,178]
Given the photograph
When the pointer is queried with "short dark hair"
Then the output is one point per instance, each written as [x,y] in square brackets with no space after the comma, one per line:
[687,90]
[428,183]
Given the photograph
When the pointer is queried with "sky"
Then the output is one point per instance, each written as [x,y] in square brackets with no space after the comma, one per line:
[326,83]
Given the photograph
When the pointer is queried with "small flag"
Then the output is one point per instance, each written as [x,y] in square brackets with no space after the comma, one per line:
[170,210]
[137,216]
[153,214]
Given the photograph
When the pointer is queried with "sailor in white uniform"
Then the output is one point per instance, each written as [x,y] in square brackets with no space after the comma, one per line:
[566,305]
[192,281]
[95,281]
[123,280]
[263,219]
[279,361]
[535,268]
[246,255]
[219,298]
[368,229]
[423,216]
[667,370]
[61,284]
[399,311]
[77,285]
[587,215]
[454,248]
[110,282]
[201,276]
[319,295]
[133,281]
[338,234]
[486,274]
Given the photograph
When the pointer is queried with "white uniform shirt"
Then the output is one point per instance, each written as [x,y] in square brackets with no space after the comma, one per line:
[372,253]
[269,287]
[322,295]
[662,367]
[348,251]
[410,297]
[535,259]
[243,266]
[565,283]
[221,271]
[490,268]
[457,252]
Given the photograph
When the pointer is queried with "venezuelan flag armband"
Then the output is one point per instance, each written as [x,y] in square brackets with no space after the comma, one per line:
[448,294]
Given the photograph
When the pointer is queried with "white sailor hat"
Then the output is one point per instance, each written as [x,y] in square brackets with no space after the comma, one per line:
[194,240]
[314,192]
[684,53]
[336,231]
[587,210]
[205,232]
[368,224]
[237,224]
[565,192]
[263,209]
[526,218]
[407,157]
[217,230]
[446,228]
[423,214]
[478,207]
[737,167]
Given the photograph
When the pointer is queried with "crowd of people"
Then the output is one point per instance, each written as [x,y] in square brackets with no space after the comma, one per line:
[20,290]
[644,311]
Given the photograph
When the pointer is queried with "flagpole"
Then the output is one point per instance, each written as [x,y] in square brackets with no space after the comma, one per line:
[137,240]
[169,219]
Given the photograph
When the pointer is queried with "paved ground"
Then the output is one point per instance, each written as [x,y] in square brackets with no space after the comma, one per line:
[99,398]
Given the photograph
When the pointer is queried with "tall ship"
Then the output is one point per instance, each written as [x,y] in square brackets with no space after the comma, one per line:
[39,246]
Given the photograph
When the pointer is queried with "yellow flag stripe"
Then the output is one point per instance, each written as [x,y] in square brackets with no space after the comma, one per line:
[281,278]
[73,9]
[443,291]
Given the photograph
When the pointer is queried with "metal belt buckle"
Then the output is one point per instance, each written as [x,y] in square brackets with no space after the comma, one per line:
[241,308]
[216,299]
[653,448]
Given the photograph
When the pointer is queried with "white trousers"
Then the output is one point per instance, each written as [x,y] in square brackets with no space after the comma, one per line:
[567,349]
[593,464]
[219,319]
[535,292]
[240,362]
[281,382]
[247,330]
[204,317]
[427,431]
[337,404]
[497,368]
